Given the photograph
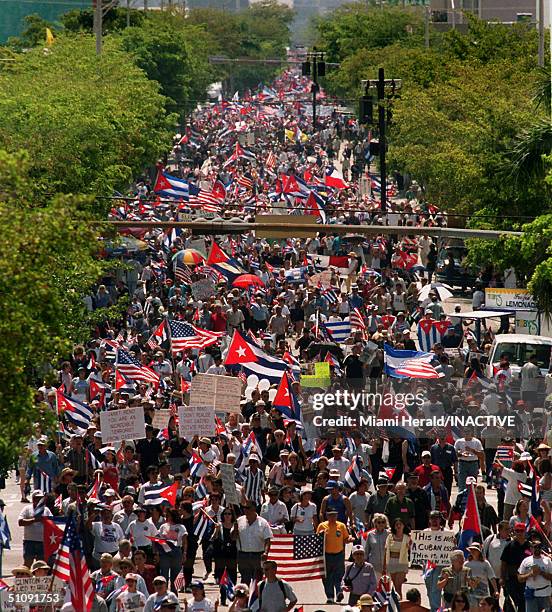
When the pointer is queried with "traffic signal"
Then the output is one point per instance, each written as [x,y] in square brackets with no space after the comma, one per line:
[321,69]
[305,68]
[366,110]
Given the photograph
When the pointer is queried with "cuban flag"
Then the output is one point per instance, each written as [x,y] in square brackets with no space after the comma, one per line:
[253,602]
[425,334]
[295,275]
[244,352]
[409,364]
[286,401]
[223,264]
[318,452]
[251,445]
[352,476]
[195,463]
[227,584]
[338,331]
[315,206]
[76,412]
[471,524]
[335,179]
[333,363]
[172,186]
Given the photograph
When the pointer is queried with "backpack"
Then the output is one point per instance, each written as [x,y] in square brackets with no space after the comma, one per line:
[262,586]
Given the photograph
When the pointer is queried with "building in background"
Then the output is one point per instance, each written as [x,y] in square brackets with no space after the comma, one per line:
[450,12]
[13,13]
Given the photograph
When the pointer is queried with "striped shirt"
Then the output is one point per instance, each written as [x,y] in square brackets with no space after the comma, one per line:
[253,485]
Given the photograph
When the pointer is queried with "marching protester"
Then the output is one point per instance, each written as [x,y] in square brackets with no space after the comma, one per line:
[216,432]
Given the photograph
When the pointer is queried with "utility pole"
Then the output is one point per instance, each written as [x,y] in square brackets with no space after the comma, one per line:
[426,25]
[381,122]
[453,16]
[98,25]
[540,19]
[315,67]
[366,118]
[128,13]
[314,89]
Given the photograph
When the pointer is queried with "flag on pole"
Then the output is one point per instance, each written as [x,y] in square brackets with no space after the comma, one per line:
[159,493]
[299,557]
[471,524]
[71,568]
[132,368]
[243,351]
[185,336]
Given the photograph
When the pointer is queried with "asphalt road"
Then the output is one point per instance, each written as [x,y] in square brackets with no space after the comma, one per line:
[310,593]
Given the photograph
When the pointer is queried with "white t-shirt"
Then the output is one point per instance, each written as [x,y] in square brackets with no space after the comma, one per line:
[307,513]
[131,602]
[512,495]
[541,585]
[173,532]
[462,445]
[106,537]
[139,531]
[206,605]
[341,465]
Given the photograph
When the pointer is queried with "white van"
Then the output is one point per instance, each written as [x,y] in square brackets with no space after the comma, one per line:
[519,348]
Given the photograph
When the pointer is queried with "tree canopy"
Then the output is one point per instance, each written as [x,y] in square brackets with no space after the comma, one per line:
[48,260]
[89,124]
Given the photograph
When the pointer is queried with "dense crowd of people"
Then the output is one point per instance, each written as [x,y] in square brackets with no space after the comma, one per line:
[343,301]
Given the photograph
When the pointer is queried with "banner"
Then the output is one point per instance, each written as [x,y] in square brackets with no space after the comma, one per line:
[203,289]
[228,477]
[126,424]
[433,546]
[509,299]
[161,419]
[221,392]
[196,421]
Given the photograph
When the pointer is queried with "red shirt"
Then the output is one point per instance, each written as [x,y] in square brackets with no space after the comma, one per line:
[218,322]
[424,473]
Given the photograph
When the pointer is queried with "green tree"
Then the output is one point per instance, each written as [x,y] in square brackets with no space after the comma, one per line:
[48,261]
[90,124]
[34,34]
[114,20]
[260,32]
[455,138]
[356,26]
[174,53]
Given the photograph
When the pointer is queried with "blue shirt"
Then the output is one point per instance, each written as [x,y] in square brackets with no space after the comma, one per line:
[443,456]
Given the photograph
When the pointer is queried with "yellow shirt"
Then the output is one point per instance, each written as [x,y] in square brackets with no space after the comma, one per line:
[335,536]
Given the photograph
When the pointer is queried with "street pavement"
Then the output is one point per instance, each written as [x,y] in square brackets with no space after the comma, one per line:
[310,593]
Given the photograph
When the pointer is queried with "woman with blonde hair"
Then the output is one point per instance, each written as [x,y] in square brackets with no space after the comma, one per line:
[375,543]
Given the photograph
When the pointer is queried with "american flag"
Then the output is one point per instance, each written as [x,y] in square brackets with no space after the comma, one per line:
[357,320]
[158,337]
[270,160]
[205,200]
[245,181]
[185,336]
[131,367]
[182,273]
[299,557]
[70,567]
[179,581]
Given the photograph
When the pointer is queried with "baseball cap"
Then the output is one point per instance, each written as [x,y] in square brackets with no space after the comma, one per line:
[357,548]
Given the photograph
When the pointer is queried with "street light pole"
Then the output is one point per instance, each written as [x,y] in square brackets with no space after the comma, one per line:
[314,89]
[381,120]
[98,25]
